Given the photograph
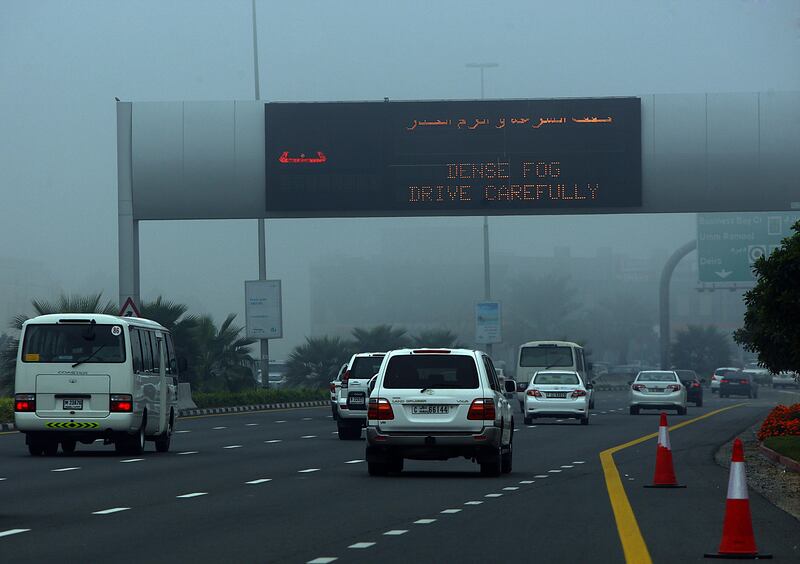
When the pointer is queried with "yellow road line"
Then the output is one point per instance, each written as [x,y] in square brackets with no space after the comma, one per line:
[633,545]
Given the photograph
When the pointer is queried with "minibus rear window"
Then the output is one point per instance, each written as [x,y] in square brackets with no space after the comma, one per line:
[73,343]
[547,356]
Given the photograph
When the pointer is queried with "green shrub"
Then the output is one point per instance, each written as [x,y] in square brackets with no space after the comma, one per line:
[6,410]
[252,397]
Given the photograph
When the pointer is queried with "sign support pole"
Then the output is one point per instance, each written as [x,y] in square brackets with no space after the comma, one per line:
[663,300]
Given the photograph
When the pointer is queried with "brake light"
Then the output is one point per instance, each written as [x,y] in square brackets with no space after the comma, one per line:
[724,381]
[534,393]
[121,403]
[695,384]
[345,379]
[25,403]
[380,409]
[431,351]
[674,387]
[482,409]
[578,393]
[638,387]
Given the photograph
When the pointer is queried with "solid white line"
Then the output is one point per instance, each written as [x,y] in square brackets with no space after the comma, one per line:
[187,452]
[362,545]
[307,470]
[450,511]
[395,532]
[424,521]
[511,489]
[217,428]
[10,532]
[233,446]
[109,511]
[131,460]
[473,503]
[259,481]
[193,494]
[493,495]
[309,436]
[66,469]
[323,560]
[354,461]
[273,441]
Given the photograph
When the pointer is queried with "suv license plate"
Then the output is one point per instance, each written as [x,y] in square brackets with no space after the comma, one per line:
[355,399]
[430,409]
[73,404]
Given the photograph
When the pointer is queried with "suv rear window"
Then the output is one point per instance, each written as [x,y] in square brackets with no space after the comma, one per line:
[549,356]
[656,377]
[365,367]
[562,378]
[431,371]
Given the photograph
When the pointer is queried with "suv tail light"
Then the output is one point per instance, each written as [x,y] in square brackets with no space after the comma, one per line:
[482,409]
[578,393]
[695,384]
[674,387]
[638,387]
[25,402]
[380,409]
[345,379]
[121,403]
[534,393]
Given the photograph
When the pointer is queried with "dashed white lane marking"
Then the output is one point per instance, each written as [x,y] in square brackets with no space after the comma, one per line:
[567,466]
[527,482]
[188,452]
[424,521]
[259,481]
[511,489]
[272,441]
[450,511]
[493,495]
[362,545]
[110,511]
[395,532]
[579,462]
[98,440]
[354,461]
[281,421]
[335,433]
[131,460]
[193,494]
[176,432]
[217,428]
[516,428]
[309,436]
[1,479]
[473,503]
[233,446]
[10,532]
[308,470]
[66,469]
[251,424]
[559,420]
[323,560]
[541,476]
[307,419]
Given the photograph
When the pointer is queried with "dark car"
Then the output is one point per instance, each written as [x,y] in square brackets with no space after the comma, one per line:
[694,386]
[741,383]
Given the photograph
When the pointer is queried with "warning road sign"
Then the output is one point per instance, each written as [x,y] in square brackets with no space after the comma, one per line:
[129,309]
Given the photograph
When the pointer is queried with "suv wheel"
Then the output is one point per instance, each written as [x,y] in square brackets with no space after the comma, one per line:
[634,410]
[585,420]
[377,468]
[506,458]
[492,464]
[682,410]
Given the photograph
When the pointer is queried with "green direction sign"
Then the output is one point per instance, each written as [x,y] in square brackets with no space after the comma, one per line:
[729,243]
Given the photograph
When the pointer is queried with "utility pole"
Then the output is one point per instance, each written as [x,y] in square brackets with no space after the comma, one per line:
[487,280]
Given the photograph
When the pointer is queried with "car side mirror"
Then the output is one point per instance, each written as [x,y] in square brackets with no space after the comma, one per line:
[630,382]
[589,386]
[510,386]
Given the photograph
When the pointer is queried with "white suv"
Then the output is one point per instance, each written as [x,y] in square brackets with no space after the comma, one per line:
[351,400]
[435,404]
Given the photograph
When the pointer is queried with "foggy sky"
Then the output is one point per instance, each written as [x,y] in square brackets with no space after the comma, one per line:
[62,63]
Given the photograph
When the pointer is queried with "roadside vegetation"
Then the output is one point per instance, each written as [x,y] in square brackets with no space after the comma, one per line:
[255,397]
[701,349]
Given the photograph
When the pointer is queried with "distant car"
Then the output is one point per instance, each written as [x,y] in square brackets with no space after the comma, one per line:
[740,383]
[721,373]
[276,375]
[557,393]
[351,401]
[334,389]
[785,380]
[657,389]
[694,386]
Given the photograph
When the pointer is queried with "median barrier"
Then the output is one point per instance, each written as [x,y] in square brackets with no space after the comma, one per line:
[257,407]
[185,396]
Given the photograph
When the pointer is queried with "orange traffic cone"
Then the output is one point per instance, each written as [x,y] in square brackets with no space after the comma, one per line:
[665,473]
[738,540]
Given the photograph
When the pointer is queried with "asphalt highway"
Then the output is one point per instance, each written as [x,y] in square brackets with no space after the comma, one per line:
[280,487]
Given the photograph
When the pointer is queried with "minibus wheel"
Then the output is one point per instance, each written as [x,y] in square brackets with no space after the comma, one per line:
[35,448]
[50,448]
[68,446]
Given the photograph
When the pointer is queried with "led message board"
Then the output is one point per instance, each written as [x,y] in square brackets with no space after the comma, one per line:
[452,157]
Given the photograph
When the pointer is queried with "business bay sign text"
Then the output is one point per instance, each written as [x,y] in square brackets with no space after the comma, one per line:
[452,157]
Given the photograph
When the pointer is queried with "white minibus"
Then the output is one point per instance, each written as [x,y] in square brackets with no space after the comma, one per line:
[82,377]
[550,355]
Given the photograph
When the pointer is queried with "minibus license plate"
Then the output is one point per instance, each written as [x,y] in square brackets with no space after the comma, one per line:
[430,409]
[73,404]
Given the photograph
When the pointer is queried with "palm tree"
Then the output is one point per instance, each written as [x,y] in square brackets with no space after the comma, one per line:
[66,303]
[222,355]
[436,338]
[380,338]
[317,362]
[173,316]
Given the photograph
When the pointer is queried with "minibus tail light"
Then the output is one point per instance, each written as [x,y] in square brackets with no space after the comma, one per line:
[121,403]
[25,403]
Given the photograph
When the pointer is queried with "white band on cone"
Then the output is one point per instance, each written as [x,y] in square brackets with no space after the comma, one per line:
[737,483]
[663,437]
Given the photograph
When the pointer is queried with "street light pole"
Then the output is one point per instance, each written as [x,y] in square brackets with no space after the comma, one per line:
[487,280]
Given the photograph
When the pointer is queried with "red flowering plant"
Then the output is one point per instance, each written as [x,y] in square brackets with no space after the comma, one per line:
[783,420]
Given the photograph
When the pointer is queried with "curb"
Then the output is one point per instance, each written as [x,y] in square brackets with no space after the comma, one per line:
[246,408]
[777,458]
